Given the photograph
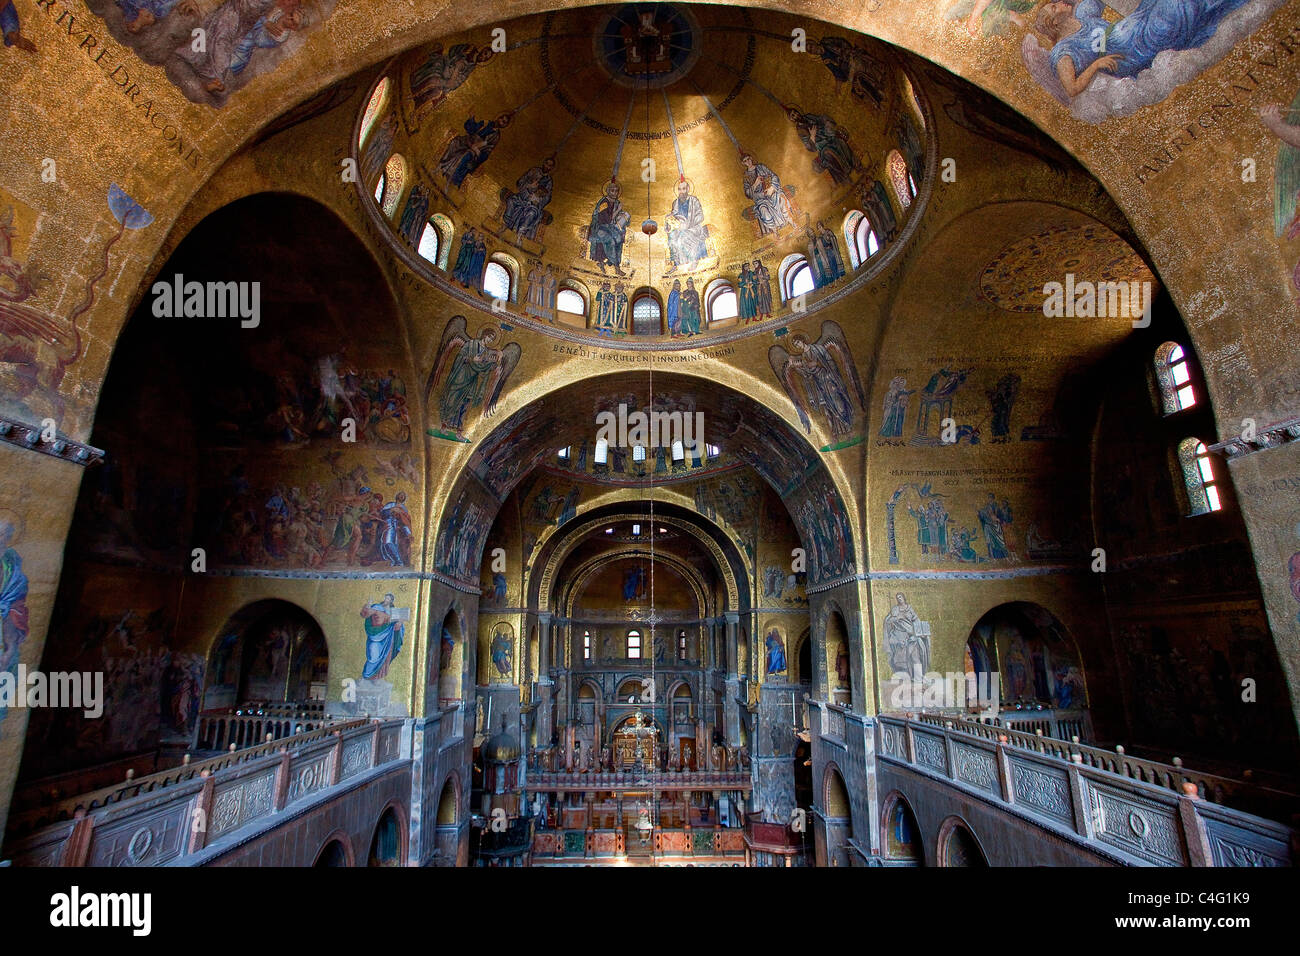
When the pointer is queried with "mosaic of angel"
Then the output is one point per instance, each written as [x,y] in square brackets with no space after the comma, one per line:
[470,371]
[817,376]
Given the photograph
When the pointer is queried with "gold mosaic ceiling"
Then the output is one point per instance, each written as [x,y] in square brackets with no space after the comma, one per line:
[541,138]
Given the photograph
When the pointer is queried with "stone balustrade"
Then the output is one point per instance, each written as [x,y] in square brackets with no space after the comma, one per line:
[1240,794]
[1136,811]
[168,817]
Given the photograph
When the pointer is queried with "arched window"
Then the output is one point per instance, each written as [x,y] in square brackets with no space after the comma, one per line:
[586,645]
[601,453]
[378,100]
[681,645]
[1174,378]
[379,187]
[796,277]
[564,453]
[647,315]
[435,240]
[904,187]
[860,237]
[1198,475]
[912,100]
[679,451]
[501,277]
[721,300]
[496,281]
[571,301]
[394,180]
[638,452]
[633,645]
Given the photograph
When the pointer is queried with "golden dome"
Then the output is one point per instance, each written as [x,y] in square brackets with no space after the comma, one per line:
[666,150]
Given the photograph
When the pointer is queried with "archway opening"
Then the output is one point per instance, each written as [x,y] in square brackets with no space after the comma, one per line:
[386,845]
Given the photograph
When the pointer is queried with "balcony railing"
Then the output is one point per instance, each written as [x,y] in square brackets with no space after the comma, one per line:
[1148,812]
[164,817]
[1174,777]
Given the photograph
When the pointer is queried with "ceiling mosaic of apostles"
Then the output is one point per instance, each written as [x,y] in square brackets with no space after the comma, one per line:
[644,170]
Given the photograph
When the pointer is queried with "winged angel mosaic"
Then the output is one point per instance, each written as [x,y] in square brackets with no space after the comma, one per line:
[817,376]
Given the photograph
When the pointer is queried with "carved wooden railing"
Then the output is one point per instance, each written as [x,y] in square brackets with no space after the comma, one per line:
[218,731]
[1133,810]
[66,808]
[168,824]
[1241,794]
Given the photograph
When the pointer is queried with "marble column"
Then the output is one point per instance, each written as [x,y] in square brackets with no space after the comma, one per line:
[730,706]
[545,686]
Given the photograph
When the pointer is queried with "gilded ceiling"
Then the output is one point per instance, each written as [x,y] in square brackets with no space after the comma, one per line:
[615,150]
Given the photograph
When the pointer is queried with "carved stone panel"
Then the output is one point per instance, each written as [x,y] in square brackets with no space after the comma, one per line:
[975,767]
[1236,846]
[1041,789]
[930,751]
[892,741]
[1141,827]
[308,777]
[356,756]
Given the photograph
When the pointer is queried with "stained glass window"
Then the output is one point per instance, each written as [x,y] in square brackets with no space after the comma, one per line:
[394,180]
[1174,378]
[904,187]
[378,100]
[1198,474]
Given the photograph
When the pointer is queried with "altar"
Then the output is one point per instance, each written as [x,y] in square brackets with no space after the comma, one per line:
[637,738]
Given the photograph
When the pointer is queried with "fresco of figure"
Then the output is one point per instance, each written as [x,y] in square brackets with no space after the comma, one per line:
[906,641]
[775,652]
[11,28]
[470,259]
[746,295]
[526,206]
[384,634]
[687,233]
[415,215]
[441,73]
[1285,125]
[139,14]
[1063,55]
[234,32]
[608,229]
[832,261]
[852,64]
[880,210]
[604,311]
[690,309]
[828,141]
[470,150]
[994,518]
[1002,397]
[817,376]
[13,600]
[771,201]
[378,147]
[991,17]
[911,146]
[502,653]
[762,290]
[895,407]
[395,540]
[471,372]
[674,309]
